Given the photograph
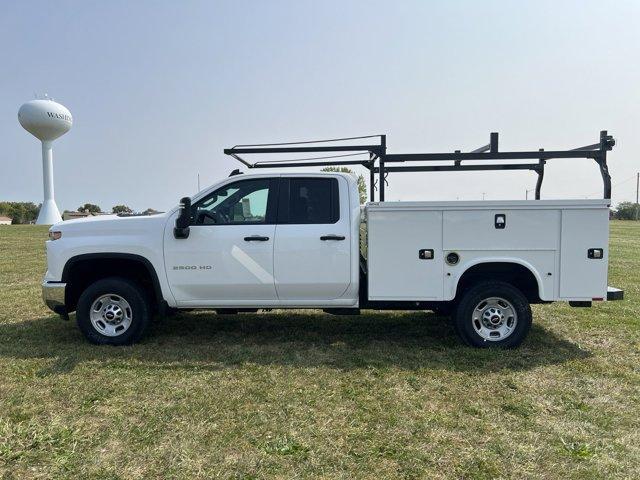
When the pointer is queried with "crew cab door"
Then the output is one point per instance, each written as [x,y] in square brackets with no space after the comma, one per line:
[228,257]
[312,251]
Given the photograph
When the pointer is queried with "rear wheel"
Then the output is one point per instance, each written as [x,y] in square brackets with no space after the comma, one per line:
[113,311]
[493,314]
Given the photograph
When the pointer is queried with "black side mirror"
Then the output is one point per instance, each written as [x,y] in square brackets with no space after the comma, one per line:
[181,229]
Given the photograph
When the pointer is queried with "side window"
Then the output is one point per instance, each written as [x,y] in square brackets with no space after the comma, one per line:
[312,200]
[240,202]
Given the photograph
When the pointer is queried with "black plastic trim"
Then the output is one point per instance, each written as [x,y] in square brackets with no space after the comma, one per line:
[120,256]
[578,304]
[614,294]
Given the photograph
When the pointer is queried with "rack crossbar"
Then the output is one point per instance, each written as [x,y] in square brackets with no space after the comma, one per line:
[461,168]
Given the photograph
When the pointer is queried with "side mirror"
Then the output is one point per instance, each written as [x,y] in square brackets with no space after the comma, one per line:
[181,229]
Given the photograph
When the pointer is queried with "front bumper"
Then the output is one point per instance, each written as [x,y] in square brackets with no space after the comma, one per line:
[53,294]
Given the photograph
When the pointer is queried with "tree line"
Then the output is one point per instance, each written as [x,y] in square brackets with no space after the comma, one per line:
[27,212]
[20,212]
[627,211]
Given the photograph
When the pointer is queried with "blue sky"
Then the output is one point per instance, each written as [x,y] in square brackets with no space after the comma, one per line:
[158,89]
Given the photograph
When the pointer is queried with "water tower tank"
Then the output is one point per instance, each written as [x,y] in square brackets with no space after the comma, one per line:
[45,119]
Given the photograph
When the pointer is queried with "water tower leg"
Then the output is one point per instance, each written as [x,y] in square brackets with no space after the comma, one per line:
[49,213]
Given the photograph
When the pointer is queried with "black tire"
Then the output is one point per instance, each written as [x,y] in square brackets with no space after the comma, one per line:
[139,314]
[464,316]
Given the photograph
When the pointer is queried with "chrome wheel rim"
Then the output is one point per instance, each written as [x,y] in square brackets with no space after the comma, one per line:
[494,319]
[111,315]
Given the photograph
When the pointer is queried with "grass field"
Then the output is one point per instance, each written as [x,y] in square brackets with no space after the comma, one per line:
[308,395]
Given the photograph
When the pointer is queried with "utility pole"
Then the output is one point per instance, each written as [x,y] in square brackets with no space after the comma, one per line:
[483,195]
[198,182]
[637,191]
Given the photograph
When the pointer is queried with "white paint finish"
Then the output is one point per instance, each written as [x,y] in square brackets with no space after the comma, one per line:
[582,278]
[239,270]
[141,236]
[532,238]
[395,271]
[524,230]
[539,262]
[493,204]
[307,268]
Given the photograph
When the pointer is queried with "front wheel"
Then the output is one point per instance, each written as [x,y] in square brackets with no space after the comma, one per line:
[493,314]
[113,311]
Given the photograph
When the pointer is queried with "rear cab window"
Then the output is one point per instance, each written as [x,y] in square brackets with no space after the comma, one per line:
[309,200]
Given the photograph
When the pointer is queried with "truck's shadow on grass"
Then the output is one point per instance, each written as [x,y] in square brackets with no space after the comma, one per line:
[206,341]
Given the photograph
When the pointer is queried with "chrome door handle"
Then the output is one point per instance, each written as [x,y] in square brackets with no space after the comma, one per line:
[332,237]
[256,238]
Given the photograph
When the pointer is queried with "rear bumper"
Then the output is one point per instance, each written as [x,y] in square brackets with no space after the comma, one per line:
[614,294]
[53,294]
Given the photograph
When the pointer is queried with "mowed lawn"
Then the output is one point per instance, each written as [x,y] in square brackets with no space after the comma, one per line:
[288,395]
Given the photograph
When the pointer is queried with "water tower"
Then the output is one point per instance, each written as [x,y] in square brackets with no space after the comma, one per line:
[46,120]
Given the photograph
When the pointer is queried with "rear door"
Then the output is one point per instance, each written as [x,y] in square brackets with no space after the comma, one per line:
[312,251]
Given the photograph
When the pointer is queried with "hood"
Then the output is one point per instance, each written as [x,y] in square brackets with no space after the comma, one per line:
[109,224]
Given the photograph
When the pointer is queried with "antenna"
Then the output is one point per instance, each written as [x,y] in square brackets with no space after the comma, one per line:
[46,120]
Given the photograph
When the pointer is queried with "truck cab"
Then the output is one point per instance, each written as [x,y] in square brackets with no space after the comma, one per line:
[267,241]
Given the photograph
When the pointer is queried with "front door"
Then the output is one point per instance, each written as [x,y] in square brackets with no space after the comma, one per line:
[312,252]
[228,257]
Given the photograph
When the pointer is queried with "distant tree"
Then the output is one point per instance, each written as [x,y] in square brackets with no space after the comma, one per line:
[20,212]
[89,207]
[362,186]
[627,211]
[121,209]
[150,211]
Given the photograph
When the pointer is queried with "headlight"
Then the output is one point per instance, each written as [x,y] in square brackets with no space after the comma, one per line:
[54,235]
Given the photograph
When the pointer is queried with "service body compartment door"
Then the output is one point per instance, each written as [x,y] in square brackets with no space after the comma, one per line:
[395,269]
[524,229]
[582,277]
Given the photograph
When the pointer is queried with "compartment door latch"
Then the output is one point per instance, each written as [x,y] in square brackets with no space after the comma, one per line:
[425,254]
[595,253]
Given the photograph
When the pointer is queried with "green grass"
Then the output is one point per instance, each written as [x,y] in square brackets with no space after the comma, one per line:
[285,395]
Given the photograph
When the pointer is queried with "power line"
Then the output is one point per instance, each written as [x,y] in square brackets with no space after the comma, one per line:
[614,185]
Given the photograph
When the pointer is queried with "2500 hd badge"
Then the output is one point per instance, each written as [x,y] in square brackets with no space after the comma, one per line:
[192,267]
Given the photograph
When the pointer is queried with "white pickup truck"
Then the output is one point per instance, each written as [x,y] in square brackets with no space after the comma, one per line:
[302,240]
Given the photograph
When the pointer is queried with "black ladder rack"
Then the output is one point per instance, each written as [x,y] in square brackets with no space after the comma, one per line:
[372,154]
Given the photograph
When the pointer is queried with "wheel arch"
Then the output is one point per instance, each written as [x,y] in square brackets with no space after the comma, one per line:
[81,270]
[519,273]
